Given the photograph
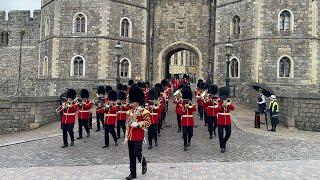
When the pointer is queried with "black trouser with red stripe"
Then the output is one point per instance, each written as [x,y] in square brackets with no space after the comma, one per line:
[135,152]
[67,128]
[100,118]
[179,121]
[187,134]
[121,124]
[109,129]
[83,123]
[212,125]
[200,111]
[223,139]
[152,133]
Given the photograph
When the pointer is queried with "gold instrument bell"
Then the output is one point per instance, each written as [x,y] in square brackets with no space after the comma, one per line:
[204,93]
[178,93]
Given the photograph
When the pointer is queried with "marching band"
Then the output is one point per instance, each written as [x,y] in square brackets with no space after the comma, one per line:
[136,108]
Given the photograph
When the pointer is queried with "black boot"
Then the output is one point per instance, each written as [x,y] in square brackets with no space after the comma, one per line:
[131,177]
[156,143]
[223,150]
[64,146]
[144,166]
[79,137]
[105,146]
[150,147]
[185,148]
[72,143]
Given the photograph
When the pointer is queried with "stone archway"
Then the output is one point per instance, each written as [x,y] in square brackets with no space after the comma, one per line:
[168,51]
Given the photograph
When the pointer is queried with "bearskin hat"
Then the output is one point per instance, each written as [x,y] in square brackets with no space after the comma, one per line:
[200,81]
[144,85]
[160,87]
[187,93]
[108,89]
[153,94]
[136,95]
[120,87]
[122,96]
[130,82]
[205,86]
[164,83]
[213,89]
[112,95]
[185,76]
[224,93]
[84,93]
[125,88]
[71,94]
[101,90]
[199,84]
[148,84]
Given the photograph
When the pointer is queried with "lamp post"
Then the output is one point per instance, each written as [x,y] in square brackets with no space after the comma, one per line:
[118,49]
[229,47]
[22,33]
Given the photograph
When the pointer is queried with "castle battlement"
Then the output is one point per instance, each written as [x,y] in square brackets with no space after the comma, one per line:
[20,16]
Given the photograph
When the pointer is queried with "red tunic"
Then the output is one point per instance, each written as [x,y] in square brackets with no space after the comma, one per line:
[137,134]
[223,115]
[187,115]
[102,100]
[122,113]
[69,114]
[178,103]
[146,95]
[84,110]
[205,106]
[154,115]
[111,115]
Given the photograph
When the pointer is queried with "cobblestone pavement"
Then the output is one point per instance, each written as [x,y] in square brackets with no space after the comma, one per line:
[242,147]
[162,171]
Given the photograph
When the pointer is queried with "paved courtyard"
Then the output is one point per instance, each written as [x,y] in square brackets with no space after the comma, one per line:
[245,153]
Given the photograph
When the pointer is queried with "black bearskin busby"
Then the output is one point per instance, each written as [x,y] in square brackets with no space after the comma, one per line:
[71,94]
[122,96]
[120,87]
[153,94]
[144,85]
[205,86]
[108,89]
[200,81]
[130,82]
[199,84]
[148,84]
[164,83]
[136,95]
[125,88]
[213,89]
[112,95]
[84,93]
[185,76]
[101,90]
[187,93]
[160,87]
[224,93]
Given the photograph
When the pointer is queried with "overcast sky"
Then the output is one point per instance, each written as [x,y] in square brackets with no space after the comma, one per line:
[8,5]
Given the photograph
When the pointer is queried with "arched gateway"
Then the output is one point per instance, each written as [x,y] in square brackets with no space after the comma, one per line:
[163,60]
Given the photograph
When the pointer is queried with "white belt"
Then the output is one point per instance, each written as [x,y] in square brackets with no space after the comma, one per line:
[225,114]
[122,112]
[111,115]
[69,114]
[187,116]
[210,106]
[153,114]
[84,111]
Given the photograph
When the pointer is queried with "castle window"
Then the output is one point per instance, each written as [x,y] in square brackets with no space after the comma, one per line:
[182,57]
[80,23]
[47,27]
[285,20]
[125,68]
[236,25]
[125,27]
[285,67]
[192,59]
[4,38]
[78,66]
[175,61]
[234,68]
[45,66]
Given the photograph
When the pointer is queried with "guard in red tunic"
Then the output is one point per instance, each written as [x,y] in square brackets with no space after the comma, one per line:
[138,122]
[162,102]
[69,110]
[175,83]
[153,107]
[123,107]
[145,91]
[84,105]
[187,120]
[212,101]
[224,118]
[198,93]
[99,106]
[178,102]
[111,110]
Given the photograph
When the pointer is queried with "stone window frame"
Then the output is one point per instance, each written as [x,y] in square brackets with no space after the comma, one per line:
[233,26]
[129,67]
[230,68]
[47,27]
[74,22]
[291,20]
[130,27]
[192,59]
[83,67]
[4,38]
[45,66]
[291,74]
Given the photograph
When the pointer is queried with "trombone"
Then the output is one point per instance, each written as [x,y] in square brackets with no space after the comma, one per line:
[65,105]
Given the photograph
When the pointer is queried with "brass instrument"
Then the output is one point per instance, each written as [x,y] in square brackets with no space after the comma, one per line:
[204,94]
[65,105]
[178,93]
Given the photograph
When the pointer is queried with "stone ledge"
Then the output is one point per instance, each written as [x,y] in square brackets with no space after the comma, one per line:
[5,105]
[34,99]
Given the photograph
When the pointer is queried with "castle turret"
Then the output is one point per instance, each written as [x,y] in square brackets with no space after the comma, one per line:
[2,16]
[19,16]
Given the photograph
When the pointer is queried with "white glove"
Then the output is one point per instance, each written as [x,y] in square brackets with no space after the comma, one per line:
[134,124]
[125,140]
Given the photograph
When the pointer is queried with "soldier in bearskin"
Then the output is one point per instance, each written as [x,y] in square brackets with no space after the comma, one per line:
[123,107]
[198,93]
[138,122]
[84,105]
[162,102]
[187,119]
[69,110]
[100,104]
[153,107]
[224,108]
[111,110]
[212,102]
